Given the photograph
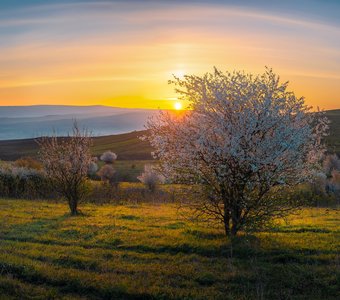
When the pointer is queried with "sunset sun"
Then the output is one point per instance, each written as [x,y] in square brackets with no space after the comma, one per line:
[178,105]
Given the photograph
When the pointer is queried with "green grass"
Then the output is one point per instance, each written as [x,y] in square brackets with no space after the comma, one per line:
[150,252]
[127,146]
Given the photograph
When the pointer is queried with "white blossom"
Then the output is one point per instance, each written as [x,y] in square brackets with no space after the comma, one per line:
[151,178]
[108,157]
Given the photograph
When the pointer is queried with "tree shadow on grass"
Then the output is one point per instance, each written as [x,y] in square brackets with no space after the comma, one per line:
[32,230]
[70,284]
[268,270]
[279,271]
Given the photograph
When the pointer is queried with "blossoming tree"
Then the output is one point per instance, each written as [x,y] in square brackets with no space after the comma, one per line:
[66,162]
[150,178]
[243,139]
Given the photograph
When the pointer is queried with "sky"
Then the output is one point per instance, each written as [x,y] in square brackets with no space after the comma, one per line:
[122,53]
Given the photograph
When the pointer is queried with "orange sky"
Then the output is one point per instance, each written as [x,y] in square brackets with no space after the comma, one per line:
[122,54]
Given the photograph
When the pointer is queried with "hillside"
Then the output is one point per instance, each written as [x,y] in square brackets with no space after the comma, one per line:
[127,146]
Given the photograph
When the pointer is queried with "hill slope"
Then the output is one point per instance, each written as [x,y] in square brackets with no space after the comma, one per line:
[127,146]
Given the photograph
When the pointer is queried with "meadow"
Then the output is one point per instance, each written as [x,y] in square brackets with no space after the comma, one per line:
[151,251]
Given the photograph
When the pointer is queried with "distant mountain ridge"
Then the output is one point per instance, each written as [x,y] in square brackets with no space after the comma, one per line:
[21,122]
[54,110]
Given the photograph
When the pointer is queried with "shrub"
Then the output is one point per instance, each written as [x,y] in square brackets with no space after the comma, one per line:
[310,194]
[28,163]
[319,184]
[335,180]
[331,163]
[150,178]
[109,175]
[334,185]
[66,162]
[108,157]
[325,186]
[93,168]
[21,182]
[131,193]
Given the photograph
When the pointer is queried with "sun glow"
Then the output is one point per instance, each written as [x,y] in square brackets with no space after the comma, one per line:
[179,73]
[178,105]
[133,68]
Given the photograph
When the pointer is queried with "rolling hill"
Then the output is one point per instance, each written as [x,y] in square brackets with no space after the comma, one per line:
[129,147]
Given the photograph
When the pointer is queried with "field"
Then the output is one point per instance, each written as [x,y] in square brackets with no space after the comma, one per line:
[149,251]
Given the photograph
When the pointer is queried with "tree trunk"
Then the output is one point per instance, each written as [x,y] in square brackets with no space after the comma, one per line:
[235,221]
[236,212]
[226,219]
[226,228]
[234,229]
[73,204]
[231,217]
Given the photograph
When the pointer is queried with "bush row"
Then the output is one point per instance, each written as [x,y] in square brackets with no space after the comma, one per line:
[29,183]
[20,182]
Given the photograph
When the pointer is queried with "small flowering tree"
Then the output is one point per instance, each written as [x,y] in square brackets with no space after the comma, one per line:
[331,163]
[107,173]
[66,162]
[108,157]
[93,168]
[331,168]
[243,139]
[150,178]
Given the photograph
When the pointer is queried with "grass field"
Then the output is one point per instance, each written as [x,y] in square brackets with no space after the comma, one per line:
[150,252]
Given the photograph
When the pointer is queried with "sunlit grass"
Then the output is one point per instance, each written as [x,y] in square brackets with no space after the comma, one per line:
[149,251]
